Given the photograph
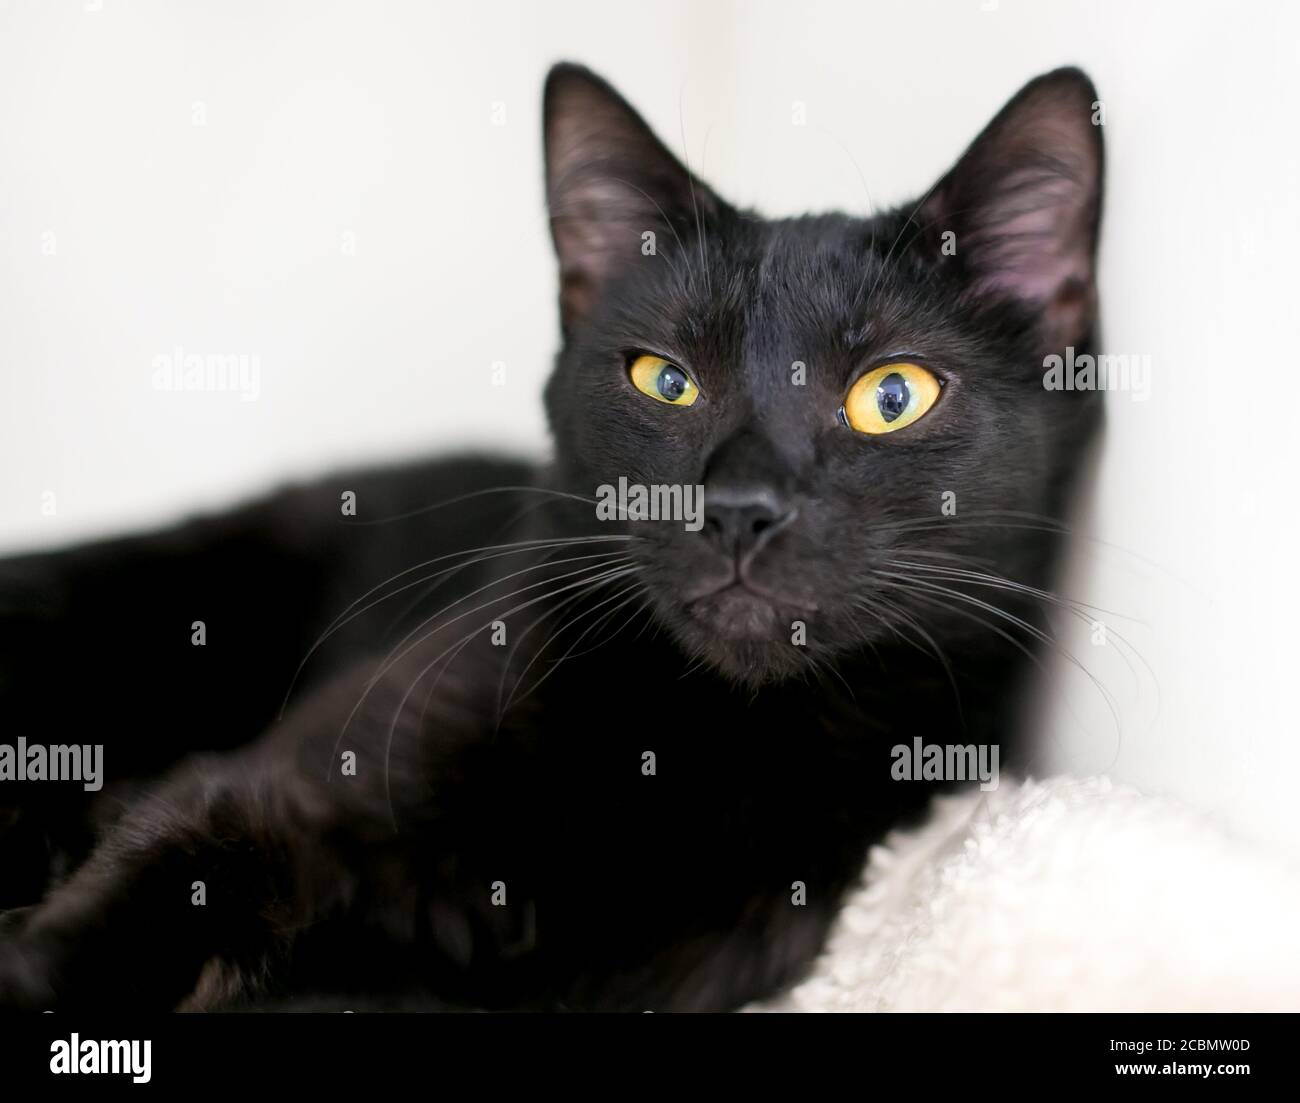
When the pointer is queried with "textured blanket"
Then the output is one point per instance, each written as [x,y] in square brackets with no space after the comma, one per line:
[1064,894]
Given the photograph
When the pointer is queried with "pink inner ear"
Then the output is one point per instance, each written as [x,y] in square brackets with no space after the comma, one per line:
[1025,263]
[597,227]
[1023,201]
[1033,242]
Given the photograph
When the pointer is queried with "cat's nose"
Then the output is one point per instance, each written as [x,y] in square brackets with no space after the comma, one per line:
[741,519]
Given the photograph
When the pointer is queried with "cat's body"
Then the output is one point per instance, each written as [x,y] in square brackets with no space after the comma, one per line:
[618,765]
[623,888]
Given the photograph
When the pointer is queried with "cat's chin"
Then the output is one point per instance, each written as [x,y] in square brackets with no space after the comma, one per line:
[738,615]
[744,636]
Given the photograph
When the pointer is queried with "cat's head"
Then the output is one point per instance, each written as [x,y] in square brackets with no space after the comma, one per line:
[854,393]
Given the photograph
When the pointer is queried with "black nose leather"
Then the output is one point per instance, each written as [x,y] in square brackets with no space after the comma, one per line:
[740,520]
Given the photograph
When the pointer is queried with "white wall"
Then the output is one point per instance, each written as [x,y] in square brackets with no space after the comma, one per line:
[376,121]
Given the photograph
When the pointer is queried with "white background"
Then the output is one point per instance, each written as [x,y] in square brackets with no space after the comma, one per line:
[350,214]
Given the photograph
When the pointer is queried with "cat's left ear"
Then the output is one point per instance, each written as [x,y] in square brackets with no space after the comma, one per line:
[1024,204]
[609,182]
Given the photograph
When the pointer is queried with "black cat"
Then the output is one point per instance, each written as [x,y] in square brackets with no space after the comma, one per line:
[536,759]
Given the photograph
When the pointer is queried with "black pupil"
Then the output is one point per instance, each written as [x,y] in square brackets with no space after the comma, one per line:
[892,396]
[672,383]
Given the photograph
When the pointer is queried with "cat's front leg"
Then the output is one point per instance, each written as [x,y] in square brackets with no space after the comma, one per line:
[209,866]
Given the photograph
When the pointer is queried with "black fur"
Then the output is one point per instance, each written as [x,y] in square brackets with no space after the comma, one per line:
[481,766]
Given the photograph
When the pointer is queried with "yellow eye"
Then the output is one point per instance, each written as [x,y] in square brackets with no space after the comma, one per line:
[663,381]
[890,398]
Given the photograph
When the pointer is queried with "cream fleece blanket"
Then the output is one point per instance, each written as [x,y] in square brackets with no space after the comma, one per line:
[1065,894]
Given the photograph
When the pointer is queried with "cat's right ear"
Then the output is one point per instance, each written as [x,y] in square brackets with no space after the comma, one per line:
[1024,204]
[609,182]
